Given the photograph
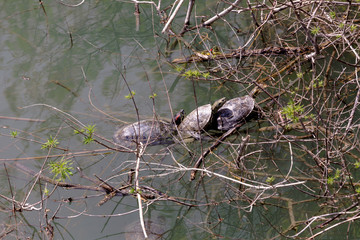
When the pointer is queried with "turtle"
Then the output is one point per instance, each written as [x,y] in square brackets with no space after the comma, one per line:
[233,112]
[151,131]
[200,119]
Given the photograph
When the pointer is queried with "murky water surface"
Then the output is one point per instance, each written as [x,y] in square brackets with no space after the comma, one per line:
[61,67]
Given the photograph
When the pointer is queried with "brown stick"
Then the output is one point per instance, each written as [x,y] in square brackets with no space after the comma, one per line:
[218,141]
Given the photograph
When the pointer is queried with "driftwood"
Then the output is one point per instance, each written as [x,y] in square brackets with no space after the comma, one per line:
[239,53]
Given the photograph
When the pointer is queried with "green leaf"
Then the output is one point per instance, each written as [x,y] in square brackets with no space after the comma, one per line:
[51,143]
[179,68]
[292,111]
[270,180]
[61,169]
[154,95]
[14,134]
[357,164]
[130,95]
[332,14]
[315,30]
[330,180]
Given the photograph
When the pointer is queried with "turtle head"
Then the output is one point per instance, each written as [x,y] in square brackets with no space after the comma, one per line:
[218,104]
[178,117]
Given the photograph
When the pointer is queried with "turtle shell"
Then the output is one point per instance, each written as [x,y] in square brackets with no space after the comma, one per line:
[197,119]
[233,112]
[149,131]
[200,118]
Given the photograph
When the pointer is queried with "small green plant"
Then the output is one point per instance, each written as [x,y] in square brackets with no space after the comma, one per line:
[332,179]
[14,134]
[299,75]
[337,174]
[192,73]
[46,191]
[130,95]
[78,131]
[357,190]
[317,84]
[315,30]
[357,164]
[88,131]
[332,14]
[61,169]
[292,111]
[153,96]
[50,143]
[179,68]
[341,25]
[353,28]
[133,191]
[270,180]
[206,75]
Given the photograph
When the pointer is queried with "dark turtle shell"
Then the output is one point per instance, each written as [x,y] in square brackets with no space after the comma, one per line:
[199,119]
[151,131]
[233,112]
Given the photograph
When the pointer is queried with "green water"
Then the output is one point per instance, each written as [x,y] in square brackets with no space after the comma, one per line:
[63,65]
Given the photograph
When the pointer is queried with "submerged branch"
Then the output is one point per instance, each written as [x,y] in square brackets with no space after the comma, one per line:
[240,53]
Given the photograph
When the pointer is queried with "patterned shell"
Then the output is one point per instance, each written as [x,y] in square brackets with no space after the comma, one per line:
[150,131]
[143,131]
[233,112]
[199,118]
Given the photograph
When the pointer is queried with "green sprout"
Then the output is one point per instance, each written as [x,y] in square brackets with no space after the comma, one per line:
[318,84]
[341,25]
[88,131]
[61,169]
[179,68]
[192,73]
[337,174]
[315,30]
[299,75]
[50,143]
[78,131]
[154,95]
[14,134]
[270,180]
[206,75]
[292,111]
[353,28]
[46,191]
[357,190]
[332,14]
[331,180]
[357,164]
[130,95]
